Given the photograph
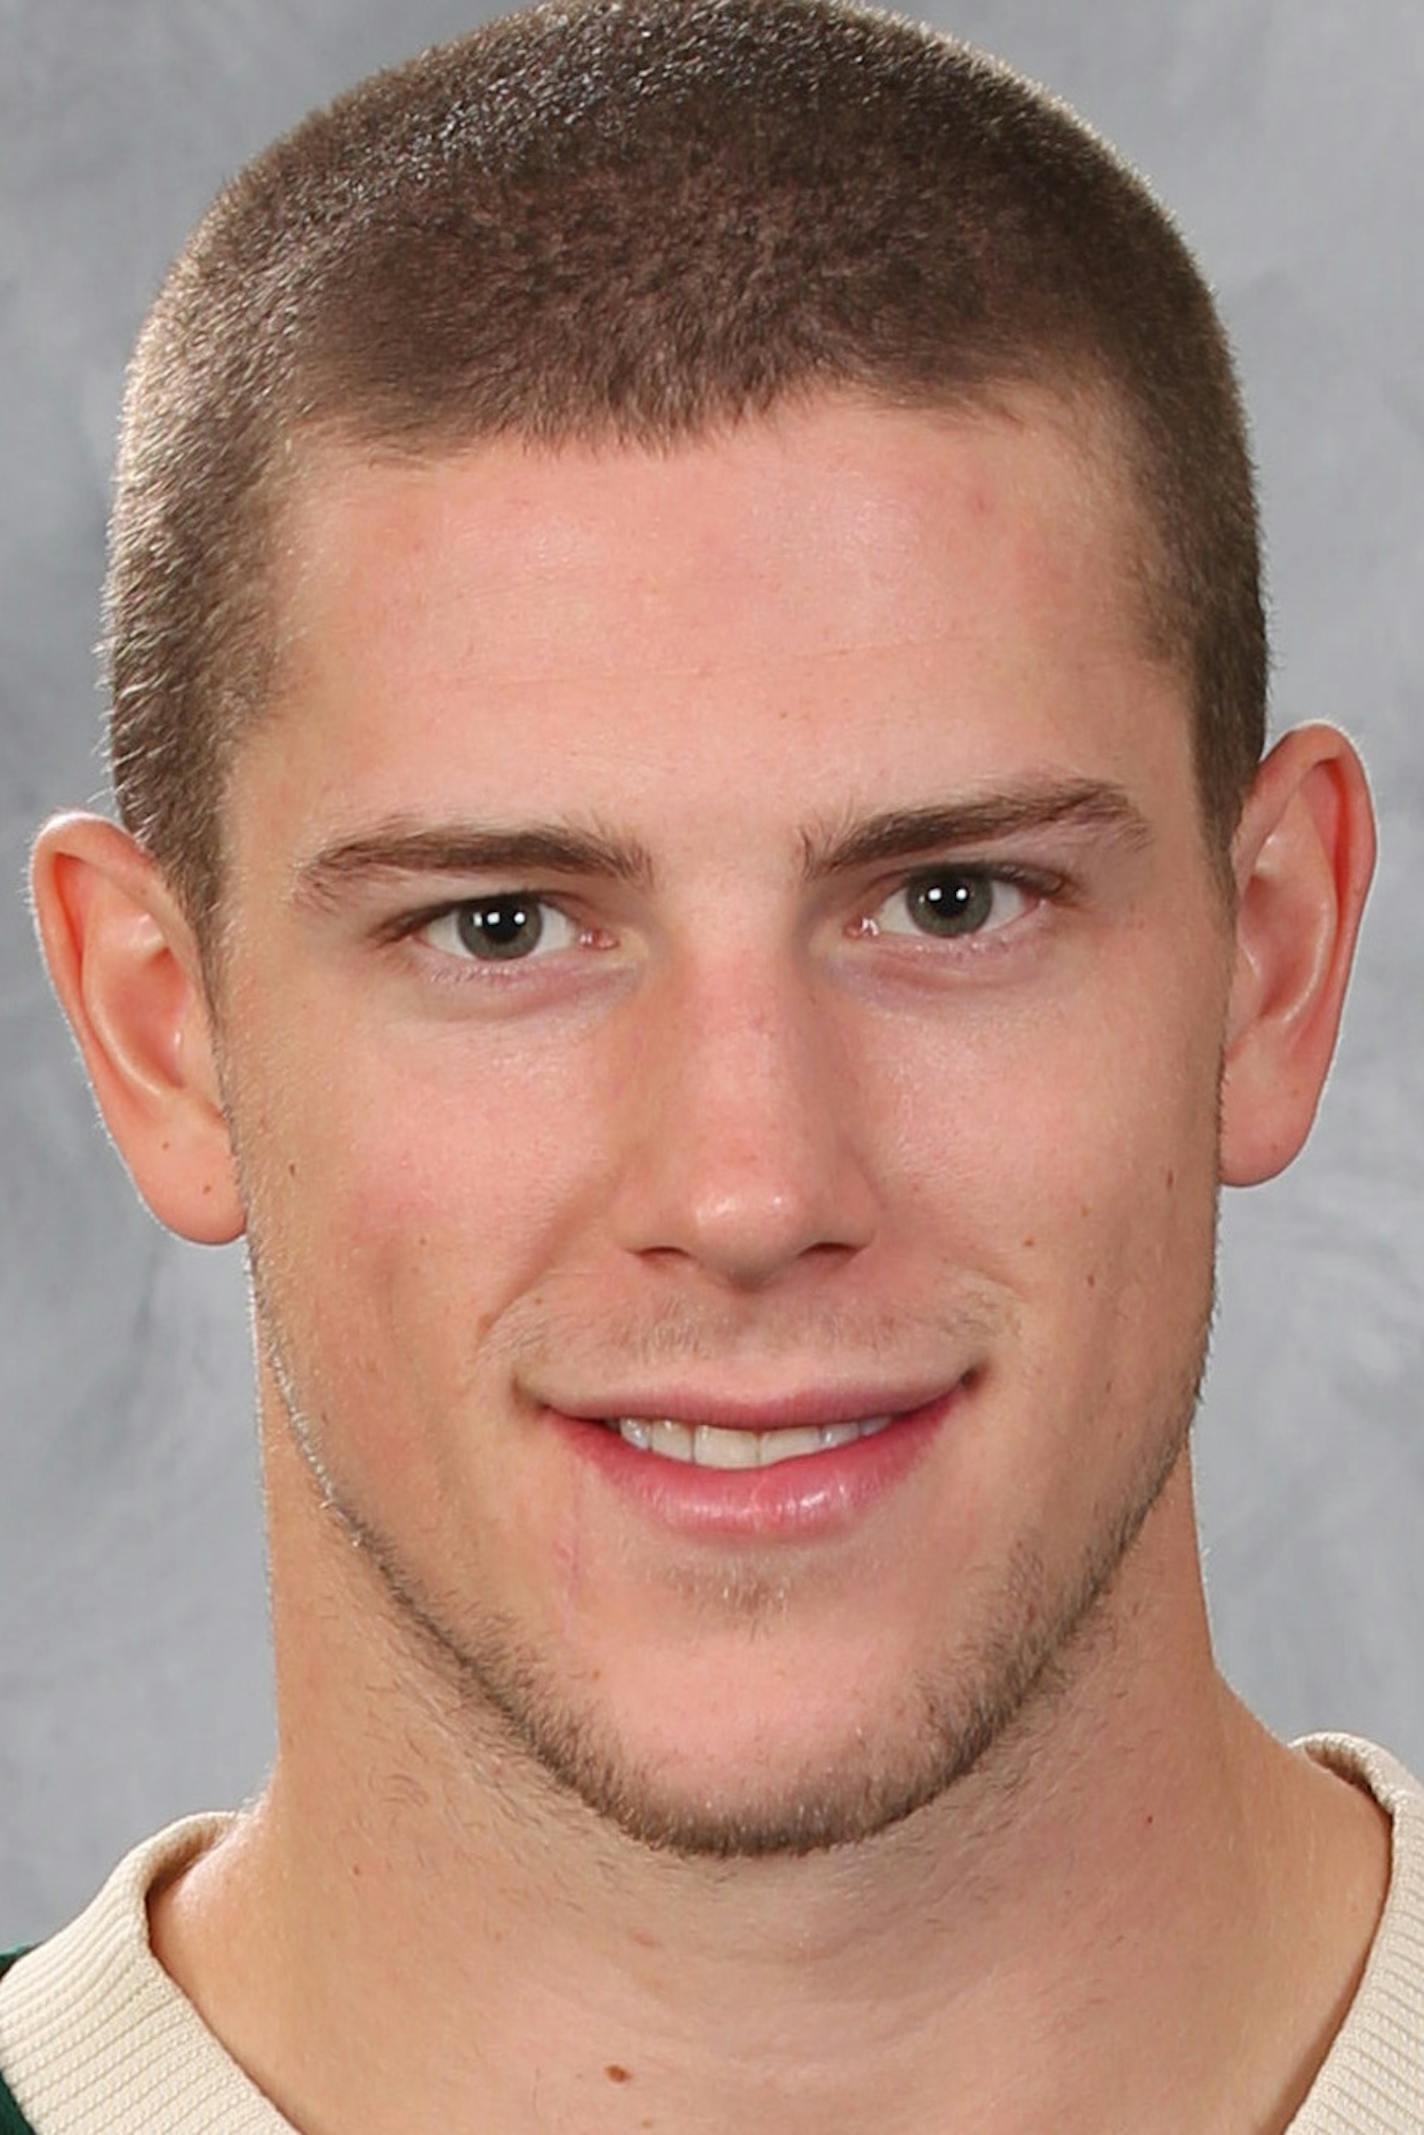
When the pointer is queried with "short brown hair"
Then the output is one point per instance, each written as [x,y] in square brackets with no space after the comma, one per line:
[636,220]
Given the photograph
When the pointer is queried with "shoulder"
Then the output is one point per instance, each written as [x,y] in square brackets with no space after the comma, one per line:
[1372,2079]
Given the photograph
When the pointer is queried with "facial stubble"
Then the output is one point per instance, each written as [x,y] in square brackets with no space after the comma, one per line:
[983,1708]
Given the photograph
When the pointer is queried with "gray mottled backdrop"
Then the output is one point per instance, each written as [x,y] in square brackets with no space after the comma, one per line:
[134,1679]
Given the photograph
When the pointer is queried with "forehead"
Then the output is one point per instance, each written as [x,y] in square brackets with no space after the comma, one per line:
[803,596]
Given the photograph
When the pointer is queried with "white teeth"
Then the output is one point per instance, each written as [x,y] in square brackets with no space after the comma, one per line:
[789,1445]
[673,1440]
[709,1446]
[839,1434]
[712,1448]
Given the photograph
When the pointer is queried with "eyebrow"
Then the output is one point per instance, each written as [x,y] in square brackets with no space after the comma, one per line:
[1090,804]
[399,846]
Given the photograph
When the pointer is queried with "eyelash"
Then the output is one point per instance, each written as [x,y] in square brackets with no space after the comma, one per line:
[1043,885]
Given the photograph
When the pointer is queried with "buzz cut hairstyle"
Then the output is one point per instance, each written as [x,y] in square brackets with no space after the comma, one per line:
[634,223]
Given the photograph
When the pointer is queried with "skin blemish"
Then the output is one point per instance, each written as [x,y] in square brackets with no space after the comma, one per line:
[1171,1178]
[616,2073]
[1092,1280]
[1029,1244]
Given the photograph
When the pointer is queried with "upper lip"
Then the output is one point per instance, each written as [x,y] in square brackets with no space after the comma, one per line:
[806,1407]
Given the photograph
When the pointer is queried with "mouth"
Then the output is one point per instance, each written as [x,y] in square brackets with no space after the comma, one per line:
[708,1445]
[794,1466]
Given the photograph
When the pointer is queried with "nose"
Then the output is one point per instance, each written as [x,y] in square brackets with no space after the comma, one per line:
[746,1158]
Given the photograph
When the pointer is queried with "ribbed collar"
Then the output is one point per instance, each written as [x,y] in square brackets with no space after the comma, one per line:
[1372,2080]
[96,2039]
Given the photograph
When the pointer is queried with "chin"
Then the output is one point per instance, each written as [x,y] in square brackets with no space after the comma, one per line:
[742,1765]
[709,1810]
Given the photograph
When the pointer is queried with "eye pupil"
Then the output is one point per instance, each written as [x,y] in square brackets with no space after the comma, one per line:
[951,904]
[500,926]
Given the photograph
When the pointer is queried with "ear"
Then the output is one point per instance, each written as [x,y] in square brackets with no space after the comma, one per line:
[125,965]
[1304,853]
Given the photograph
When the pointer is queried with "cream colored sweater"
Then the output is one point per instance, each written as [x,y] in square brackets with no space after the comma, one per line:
[95,2038]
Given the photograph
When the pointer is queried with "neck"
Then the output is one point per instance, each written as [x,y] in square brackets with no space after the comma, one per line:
[464,1944]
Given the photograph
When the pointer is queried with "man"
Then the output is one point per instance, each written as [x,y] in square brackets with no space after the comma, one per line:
[698,878]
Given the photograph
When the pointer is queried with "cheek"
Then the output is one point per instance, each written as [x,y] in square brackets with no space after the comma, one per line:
[396,1140]
[1074,1173]
[407,1190]
[1115,1240]
[1069,1157]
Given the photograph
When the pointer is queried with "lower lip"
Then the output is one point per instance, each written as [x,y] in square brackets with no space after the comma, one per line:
[793,1500]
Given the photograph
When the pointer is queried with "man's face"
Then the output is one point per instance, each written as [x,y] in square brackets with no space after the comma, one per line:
[762,1124]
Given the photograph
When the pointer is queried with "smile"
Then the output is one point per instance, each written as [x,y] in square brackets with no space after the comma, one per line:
[707,1446]
[805,1464]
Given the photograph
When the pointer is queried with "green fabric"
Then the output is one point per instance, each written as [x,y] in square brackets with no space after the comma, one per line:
[12,2120]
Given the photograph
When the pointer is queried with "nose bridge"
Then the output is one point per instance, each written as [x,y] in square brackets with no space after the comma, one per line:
[744,1157]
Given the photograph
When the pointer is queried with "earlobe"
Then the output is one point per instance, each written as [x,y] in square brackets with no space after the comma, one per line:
[124,964]
[1304,856]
